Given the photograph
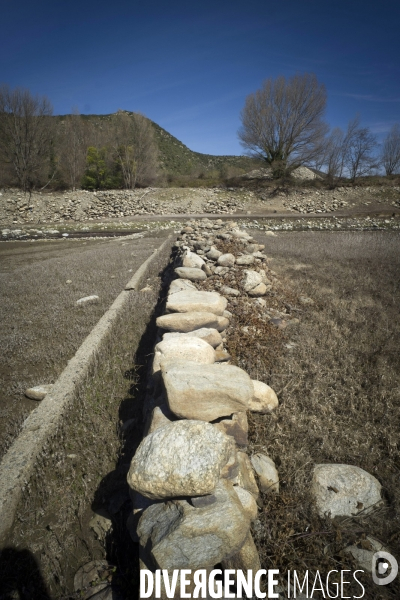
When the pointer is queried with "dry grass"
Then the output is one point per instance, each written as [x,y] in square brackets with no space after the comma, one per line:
[339,397]
[42,327]
[84,467]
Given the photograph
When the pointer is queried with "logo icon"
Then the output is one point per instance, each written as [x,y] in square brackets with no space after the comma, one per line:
[384,568]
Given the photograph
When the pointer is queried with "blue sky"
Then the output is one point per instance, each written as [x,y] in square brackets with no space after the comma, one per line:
[190,65]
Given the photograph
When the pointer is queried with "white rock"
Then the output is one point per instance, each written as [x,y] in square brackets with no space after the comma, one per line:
[192,260]
[192,274]
[185,322]
[211,336]
[87,300]
[213,253]
[344,490]
[206,392]
[196,301]
[248,502]
[188,348]
[38,392]
[246,259]
[259,290]
[178,285]
[251,279]
[268,476]
[228,291]
[180,536]
[226,260]
[264,399]
[363,556]
[181,459]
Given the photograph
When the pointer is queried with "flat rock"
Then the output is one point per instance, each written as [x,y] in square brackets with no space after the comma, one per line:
[246,259]
[205,392]
[188,348]
[178,285]
[251,279]
[226,260]
[192,274]
[363,555]
[268,476]
[228,291]
[264,399]
[184,322]
[192,260]
[87,300]
[38,392]
[209,335]
[180,536]
[196,301]
[344,490]
[183,458]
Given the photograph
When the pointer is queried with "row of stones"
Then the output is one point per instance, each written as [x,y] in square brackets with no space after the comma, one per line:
[193,485]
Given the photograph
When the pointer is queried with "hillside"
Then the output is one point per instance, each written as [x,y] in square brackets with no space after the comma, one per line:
[178,159]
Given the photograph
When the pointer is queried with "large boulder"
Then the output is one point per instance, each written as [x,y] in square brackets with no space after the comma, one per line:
[344,490]
[190,348]
[184,322]
[181,536]
[205,392]
[189,301]
[183,458]
[209,335]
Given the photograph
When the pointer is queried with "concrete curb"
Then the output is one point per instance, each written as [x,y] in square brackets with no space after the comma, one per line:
[18,463]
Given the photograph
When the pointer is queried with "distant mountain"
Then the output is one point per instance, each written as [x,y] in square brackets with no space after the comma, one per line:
[177,159]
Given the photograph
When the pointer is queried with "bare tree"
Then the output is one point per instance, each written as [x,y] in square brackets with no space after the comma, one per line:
[357,150]
[135,148]
[391,150]
[74,141]
[26,134]
[282,122]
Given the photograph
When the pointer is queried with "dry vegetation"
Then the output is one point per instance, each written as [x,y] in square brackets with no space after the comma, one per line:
[339,394]
[83,469]
[42,327]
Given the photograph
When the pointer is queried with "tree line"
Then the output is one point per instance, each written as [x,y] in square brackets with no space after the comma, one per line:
[282,124]
[38,150]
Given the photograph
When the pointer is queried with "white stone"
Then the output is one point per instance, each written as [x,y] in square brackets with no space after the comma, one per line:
[192,260]
[192,274]
[268,476]
[87,300]
[178,285]
[206,392]
[185,322]
[226,260]
[181,459]
[211,336]
[196,301]
[344,490]
[188,348]
[38,392]
[264,398]
[251,279]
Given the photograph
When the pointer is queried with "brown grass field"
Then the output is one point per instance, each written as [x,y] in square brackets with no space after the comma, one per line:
[339,392]
[41,325]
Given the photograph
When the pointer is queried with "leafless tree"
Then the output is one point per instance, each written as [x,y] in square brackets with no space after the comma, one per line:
[391,150]
[26,134]
[357,150]
[73,142]
[282,122]
[135,148]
